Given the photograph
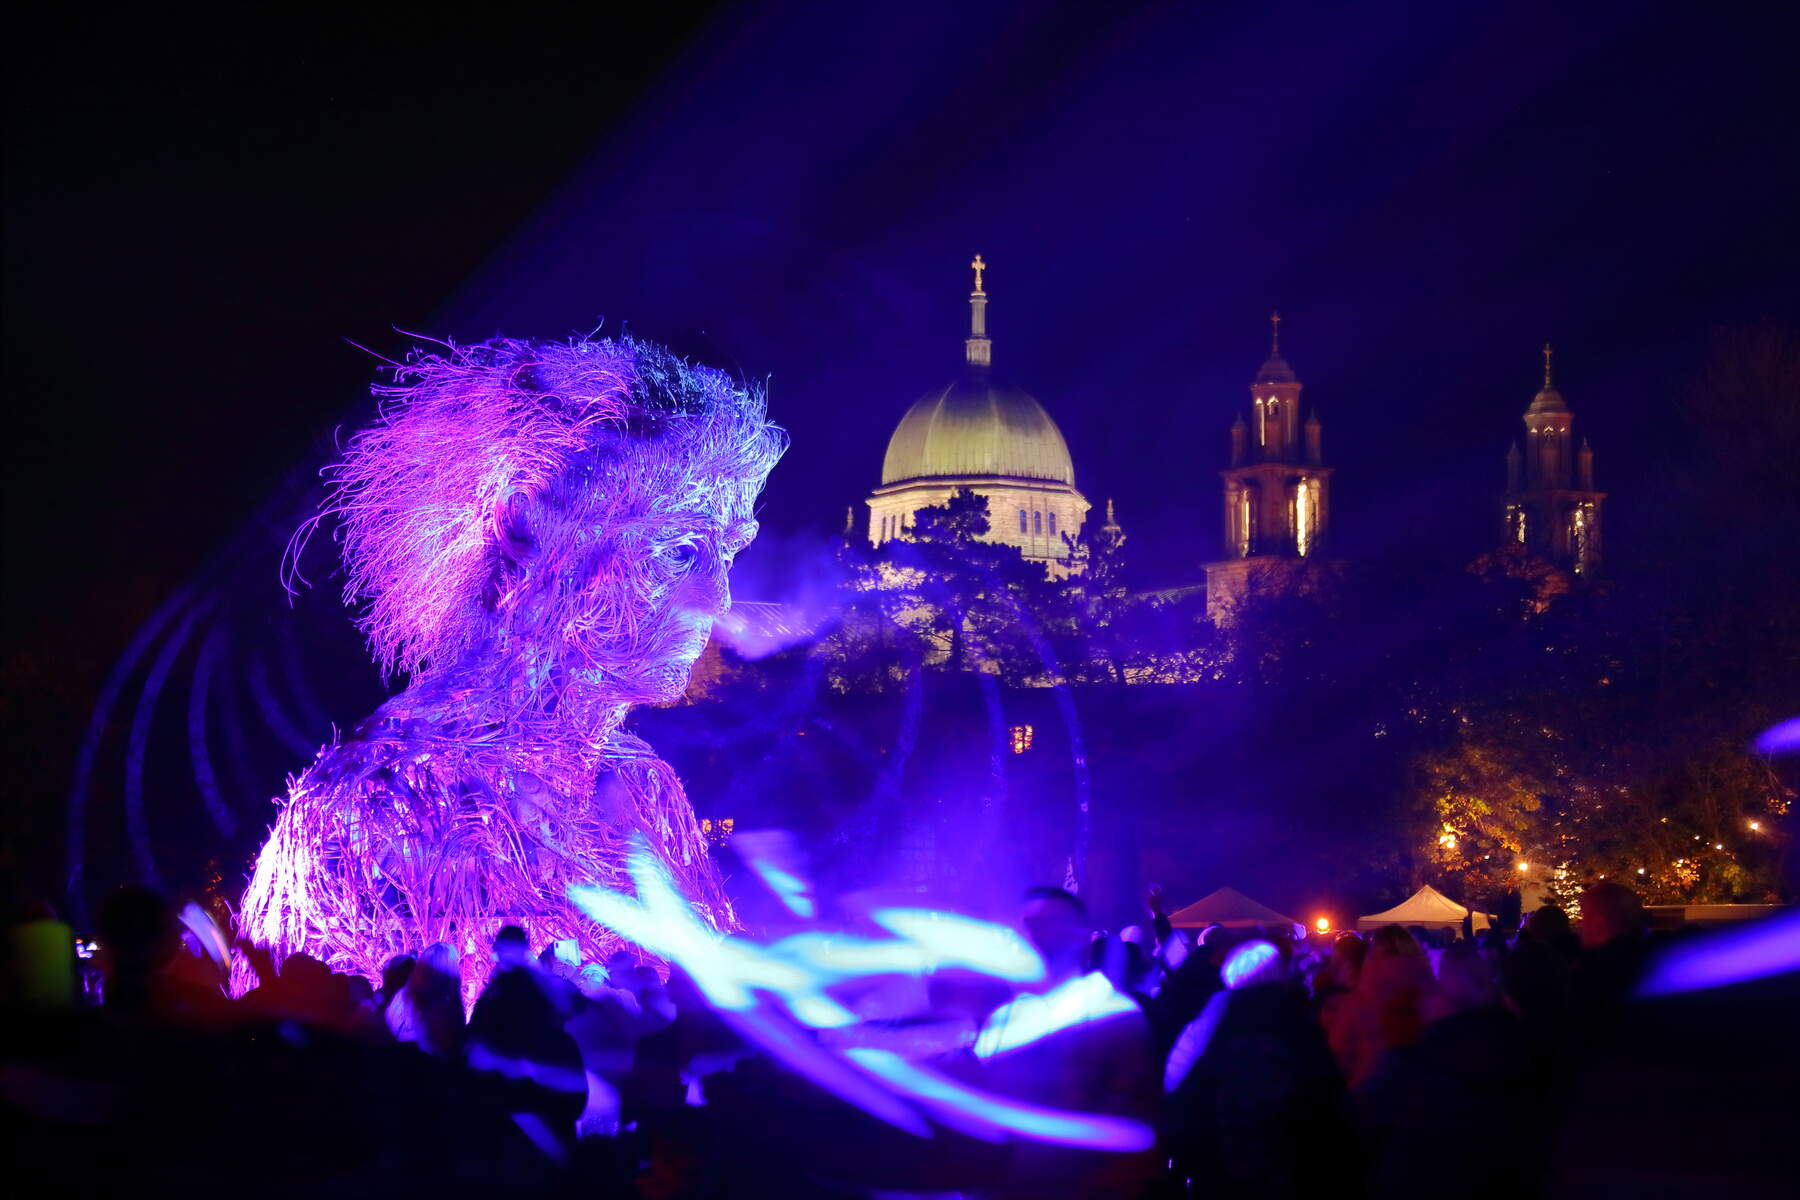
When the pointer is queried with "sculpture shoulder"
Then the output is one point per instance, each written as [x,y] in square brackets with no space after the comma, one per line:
[388,741]
[631,756]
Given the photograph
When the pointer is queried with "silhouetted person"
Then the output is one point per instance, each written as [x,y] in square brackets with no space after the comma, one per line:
[393,977]
[1102,1062]
[1384,1010]
[1614,952]
[1549,925]
[1458,1110]
[428,1010]
[1251,1079]
[517,1032]
[139,942]
[307,991]
[1337,978]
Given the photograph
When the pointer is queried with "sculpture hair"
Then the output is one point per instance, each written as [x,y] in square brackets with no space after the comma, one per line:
[465,432]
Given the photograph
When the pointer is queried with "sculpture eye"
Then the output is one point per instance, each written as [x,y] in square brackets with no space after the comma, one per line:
[681,555]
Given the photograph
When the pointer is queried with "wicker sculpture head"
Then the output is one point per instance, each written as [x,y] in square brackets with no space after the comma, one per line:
[540,535]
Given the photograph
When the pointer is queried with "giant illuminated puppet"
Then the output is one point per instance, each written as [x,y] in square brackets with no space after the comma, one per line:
[539,535]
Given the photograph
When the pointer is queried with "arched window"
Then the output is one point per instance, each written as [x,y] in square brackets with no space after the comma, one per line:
[1022,527]
[1306,515]
[1037,522]
[1052,524]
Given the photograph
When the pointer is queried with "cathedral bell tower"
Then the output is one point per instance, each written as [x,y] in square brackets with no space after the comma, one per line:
[1277,490]
[1551,507]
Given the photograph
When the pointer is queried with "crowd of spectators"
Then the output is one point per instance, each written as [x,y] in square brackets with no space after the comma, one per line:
[1268,1061]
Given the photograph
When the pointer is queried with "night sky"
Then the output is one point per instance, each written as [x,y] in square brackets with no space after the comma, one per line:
[204,212]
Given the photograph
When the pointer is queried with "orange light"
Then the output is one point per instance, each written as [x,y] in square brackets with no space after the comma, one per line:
[1323,924]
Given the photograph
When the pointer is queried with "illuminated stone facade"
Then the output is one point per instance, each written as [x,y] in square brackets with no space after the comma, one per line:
[1277,494]
[978,433]
[1551,507]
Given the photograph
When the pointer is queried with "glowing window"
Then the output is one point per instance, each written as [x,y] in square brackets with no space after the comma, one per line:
[1306,515]
[1243,515]
[1578,536]
[1261,429]
[1019,737]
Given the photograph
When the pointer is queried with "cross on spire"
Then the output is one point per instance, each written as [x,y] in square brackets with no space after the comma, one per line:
[1275,335]
[977,350]
[1547,353]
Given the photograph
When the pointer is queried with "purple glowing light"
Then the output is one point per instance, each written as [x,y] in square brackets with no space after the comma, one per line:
[1750,952]
[773,857]
[1783,738]
[1030,1018]
[1249,964]
[773,995]
[728,972]
[986,1115]
[1193,1041]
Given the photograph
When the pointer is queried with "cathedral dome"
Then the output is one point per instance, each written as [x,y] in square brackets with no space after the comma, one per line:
[1275,370]
[976,426]
[1548,400]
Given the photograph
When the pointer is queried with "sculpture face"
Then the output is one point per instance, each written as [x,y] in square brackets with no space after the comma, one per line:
[656,577]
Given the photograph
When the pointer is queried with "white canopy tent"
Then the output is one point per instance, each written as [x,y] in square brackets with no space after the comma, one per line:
[1230,908]
[1426,907]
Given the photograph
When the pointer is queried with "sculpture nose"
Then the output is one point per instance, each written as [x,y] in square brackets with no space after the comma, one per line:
[710,591]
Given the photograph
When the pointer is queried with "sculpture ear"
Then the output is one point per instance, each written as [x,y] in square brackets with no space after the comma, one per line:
[514,529]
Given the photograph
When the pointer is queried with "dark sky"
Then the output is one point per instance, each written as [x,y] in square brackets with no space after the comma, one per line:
[203,211]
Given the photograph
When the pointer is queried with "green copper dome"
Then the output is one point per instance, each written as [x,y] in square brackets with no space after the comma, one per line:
[976,426]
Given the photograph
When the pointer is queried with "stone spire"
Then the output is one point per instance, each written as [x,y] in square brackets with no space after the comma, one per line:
[1112,522]
[1548,398]
[978,350]
[1276,369]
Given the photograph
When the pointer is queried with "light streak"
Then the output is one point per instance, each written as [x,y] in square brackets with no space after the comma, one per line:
[1249,964]
[775,995]
[1783,738]
[1031,1018]
[1750,952]
[1193,1041]
[984,1114]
